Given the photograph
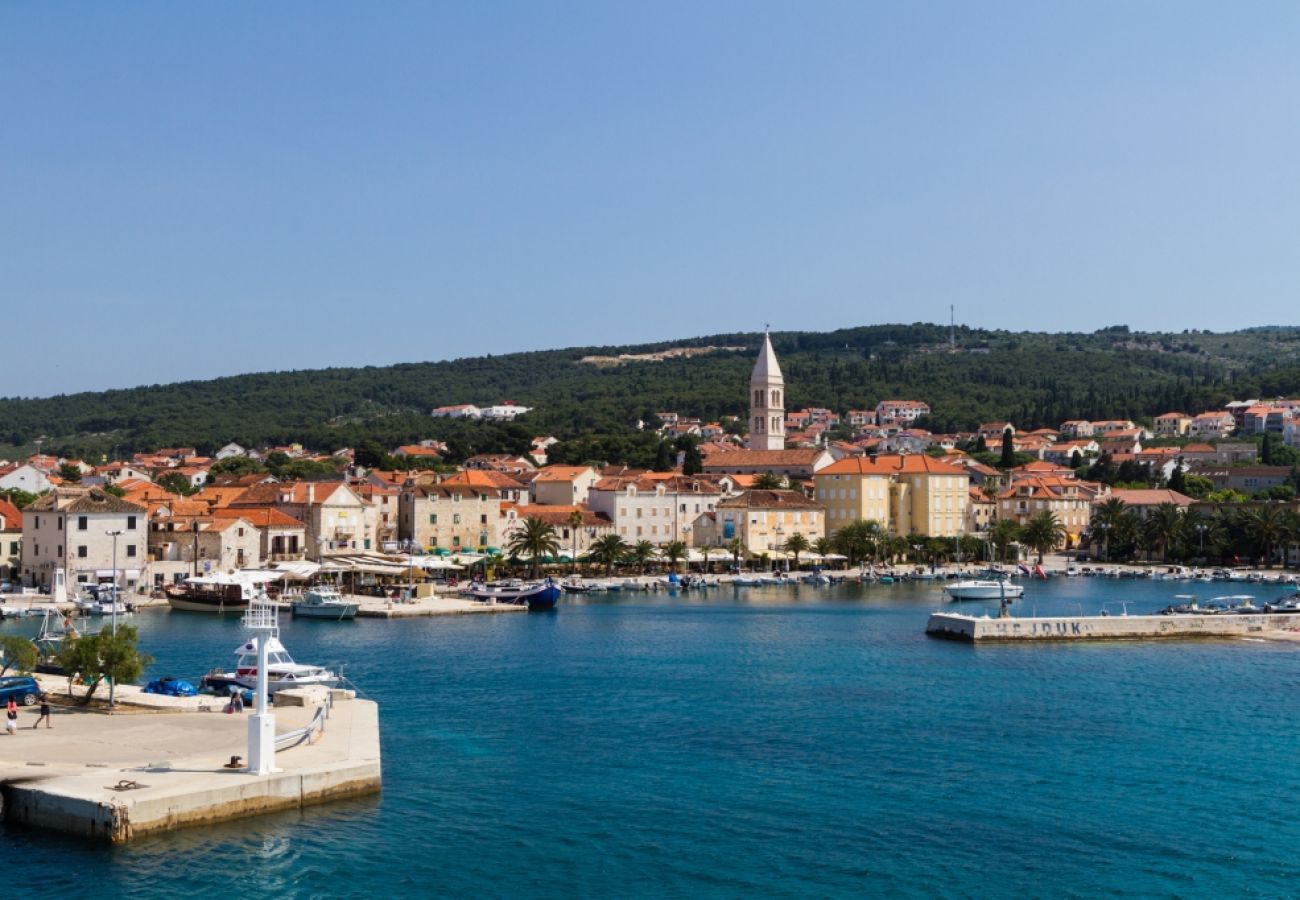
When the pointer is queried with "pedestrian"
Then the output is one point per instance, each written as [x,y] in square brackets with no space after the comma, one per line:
[45,712]
[238,701]
[11,716]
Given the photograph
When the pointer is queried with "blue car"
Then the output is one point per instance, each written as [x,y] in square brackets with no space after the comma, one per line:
[22,688]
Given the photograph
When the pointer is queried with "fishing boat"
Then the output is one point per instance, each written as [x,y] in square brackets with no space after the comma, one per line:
[323,601]
[575,585]
[982,590]
[536,596]
[213,594]
[281,670]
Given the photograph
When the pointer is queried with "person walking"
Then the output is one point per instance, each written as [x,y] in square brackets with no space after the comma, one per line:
[45,712]
[11,716]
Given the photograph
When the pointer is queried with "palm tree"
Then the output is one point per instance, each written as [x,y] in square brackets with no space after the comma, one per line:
[534,538]
[822,546]
[1107,518]
[641,553]
[736,547]
[609,550]
[796,544]
[1267,527]
[1042,533]
[1003,534]
[769,481]
[673,551]
[1165,525]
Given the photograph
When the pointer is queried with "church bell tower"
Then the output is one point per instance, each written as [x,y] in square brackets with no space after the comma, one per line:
[767,401]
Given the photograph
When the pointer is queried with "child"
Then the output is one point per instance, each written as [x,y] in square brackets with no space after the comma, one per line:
[11,716]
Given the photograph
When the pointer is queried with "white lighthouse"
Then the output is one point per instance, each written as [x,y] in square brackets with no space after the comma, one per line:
[767,401]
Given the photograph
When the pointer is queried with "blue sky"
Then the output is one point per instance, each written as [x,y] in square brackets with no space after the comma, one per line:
[192,190]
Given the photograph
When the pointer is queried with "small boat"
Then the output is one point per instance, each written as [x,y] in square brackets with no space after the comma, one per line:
[631,584]
[576,586]
[746,581]
[323,601]
[539,596]
[214,594]
[982,590]
[281,671]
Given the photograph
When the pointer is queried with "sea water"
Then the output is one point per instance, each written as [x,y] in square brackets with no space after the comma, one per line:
[755,742]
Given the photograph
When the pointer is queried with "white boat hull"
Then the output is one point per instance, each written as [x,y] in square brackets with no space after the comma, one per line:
[983,591]
[326,610]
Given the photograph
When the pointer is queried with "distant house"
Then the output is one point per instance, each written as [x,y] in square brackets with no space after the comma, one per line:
[901,411]
[1077,428]
[230,451]
[1143,500]
[1248,479]
[1212,425]
[25,477]
[460,411]
[1173,424]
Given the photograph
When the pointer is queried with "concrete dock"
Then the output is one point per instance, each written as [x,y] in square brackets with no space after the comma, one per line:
[116,777]
[977,629]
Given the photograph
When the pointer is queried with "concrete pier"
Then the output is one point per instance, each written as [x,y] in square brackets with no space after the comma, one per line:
[116,777]
[976,629]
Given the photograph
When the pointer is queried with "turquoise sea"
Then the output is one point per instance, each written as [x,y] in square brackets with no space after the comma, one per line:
[757,742]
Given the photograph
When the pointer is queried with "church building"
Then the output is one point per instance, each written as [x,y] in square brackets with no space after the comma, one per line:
[766,401]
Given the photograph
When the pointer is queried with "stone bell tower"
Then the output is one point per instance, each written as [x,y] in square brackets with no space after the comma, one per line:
[767,401]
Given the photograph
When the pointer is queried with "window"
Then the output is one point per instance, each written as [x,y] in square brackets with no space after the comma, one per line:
[455,519]
[60,553]
[482,520]
[433,518]
[82,551]
[81,523]
[130,523]
[455,540]
[130,549]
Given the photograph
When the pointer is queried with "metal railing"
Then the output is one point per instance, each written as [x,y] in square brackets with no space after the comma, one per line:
[307,733]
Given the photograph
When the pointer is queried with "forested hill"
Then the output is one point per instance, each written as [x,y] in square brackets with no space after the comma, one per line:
[1030,379]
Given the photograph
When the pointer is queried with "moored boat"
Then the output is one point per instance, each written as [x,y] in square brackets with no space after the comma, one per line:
[323,601]
[281,670]
[983,590]
[538,596]
[214,594]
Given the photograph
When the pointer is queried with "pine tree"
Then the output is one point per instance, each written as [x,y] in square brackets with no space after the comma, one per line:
[1008,460]
[1178,480]
[1266,451]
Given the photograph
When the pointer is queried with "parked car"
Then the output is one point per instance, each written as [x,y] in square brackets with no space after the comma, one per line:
[22,688]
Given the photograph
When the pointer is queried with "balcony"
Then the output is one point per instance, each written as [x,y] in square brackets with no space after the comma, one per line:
[287,557]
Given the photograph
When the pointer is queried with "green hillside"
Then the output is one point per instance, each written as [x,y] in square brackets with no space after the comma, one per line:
[1032,379]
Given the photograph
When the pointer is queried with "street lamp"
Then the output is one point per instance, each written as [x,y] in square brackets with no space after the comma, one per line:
[112,683]
[1200,530]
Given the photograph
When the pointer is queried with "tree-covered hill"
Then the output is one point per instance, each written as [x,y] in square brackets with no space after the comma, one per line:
[1032,379]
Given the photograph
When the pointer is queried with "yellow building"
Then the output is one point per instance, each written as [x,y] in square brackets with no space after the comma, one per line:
[905,494]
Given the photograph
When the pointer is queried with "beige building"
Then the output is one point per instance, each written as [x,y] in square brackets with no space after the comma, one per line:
[763,520]
[904,494]
[655,508]
[1066,498]
[199,545]
[562,485]
[1173,424]
[336,520]
[71,528]
[450,516]
[11,540]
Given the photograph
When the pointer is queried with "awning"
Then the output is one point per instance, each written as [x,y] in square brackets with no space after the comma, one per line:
[121,573]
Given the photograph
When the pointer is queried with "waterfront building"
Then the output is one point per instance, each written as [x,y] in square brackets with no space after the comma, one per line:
[1144,500]
[658,509]
[903,493]
[1063,496]
[451,516]
[763,520]
[767,401]
[180,546]
[69,529]
[337,520]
